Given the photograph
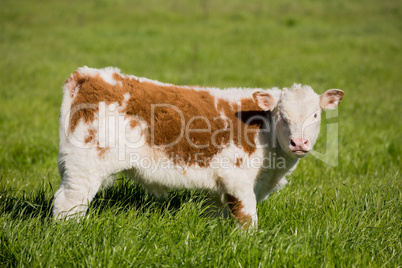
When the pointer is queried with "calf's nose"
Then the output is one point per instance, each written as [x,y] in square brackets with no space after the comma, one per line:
[299,144]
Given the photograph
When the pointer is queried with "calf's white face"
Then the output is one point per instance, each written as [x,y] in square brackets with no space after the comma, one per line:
[297,115]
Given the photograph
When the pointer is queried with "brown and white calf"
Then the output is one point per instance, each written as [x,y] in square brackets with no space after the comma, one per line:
[238,143]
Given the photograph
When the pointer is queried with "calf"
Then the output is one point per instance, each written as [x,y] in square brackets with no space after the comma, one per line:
[238,143]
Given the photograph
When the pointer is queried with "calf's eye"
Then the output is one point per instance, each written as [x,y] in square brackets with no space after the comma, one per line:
[315,115]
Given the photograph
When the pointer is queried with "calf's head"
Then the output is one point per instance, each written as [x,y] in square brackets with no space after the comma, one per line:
[297,115]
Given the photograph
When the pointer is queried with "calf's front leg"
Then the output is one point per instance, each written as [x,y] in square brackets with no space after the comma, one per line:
[243,208]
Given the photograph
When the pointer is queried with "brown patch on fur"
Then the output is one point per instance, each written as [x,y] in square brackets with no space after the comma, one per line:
[101,151]
[206,134]
[91,136]
[235,207]
[246,119]
[92,91]
[239,161]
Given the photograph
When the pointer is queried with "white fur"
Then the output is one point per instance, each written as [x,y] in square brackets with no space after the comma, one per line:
[83,170]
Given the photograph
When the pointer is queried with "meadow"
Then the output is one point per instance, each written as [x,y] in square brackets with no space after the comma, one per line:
[343,215]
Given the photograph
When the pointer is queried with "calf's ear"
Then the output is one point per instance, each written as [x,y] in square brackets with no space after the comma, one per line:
[265,100]
[331,98]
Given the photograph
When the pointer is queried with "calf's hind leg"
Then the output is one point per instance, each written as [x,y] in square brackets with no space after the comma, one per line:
[74,197]
[78,187]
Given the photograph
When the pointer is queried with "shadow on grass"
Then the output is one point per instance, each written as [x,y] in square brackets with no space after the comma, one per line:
[124,195]
[26,205]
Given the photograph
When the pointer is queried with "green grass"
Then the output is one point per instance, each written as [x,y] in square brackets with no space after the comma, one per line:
[343,216]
